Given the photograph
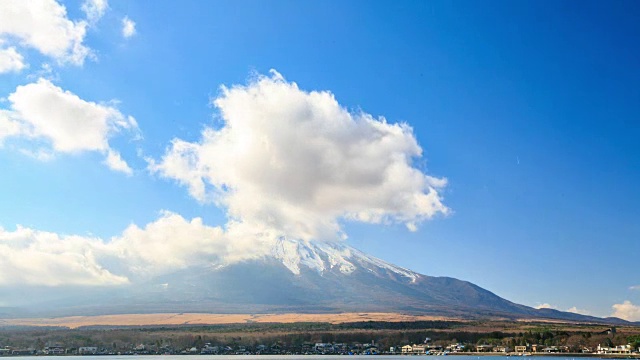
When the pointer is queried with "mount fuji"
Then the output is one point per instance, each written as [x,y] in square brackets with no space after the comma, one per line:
[299,277]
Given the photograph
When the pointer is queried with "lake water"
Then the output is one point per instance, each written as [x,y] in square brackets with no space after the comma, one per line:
[308,357]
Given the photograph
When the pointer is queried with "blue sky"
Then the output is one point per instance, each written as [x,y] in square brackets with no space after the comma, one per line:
[530,110]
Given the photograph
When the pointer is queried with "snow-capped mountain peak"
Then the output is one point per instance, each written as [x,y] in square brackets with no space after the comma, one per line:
[331,256]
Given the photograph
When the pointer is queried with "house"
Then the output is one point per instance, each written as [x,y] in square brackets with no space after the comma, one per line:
[551,349]
[484,348]
[54,350]
[407,349]
[501,349]
[324,347]
[87,350]
[537,348]
[455,348]
[587,350]
[414,349]
[620,349]
[520,349]
[419,349]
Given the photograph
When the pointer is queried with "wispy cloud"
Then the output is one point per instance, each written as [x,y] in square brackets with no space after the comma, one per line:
[578,311]
[572,309]
[634,287]
[128,27]
[94,9]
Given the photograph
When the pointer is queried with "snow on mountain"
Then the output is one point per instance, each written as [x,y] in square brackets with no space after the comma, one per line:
[327,256]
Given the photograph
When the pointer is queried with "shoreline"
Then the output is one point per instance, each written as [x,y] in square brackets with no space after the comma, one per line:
[465,354]
[565,355]
[548,355]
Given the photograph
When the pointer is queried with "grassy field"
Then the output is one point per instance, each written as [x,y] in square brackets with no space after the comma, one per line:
[173,319]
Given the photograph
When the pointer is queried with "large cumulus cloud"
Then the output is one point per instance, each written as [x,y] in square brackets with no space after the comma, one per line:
[627,310]
[297,162]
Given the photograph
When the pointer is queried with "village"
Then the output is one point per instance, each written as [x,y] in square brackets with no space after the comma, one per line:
[435,338]
[520,350]
[308,348]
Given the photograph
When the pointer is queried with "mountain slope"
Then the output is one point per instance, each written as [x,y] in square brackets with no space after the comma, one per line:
[304,277]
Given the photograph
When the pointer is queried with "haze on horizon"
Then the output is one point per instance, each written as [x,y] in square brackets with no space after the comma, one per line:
[495,144]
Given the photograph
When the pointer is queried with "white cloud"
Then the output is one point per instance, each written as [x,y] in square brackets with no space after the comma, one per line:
[634,287]
[71,124]
[94,9]
[575,310]
[45,71]
[296,162]
[43,25]
[170,243]
[11,60]
[128,27]
[9,126]
[114,161]
[627,311]
[572,309]
[546,306]
[30,257]
[38,154]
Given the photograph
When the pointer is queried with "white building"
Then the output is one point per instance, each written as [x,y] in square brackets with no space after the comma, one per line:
[620,349]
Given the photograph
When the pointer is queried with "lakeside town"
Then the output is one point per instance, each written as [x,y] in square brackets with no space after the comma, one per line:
[308,348]
[416,338]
